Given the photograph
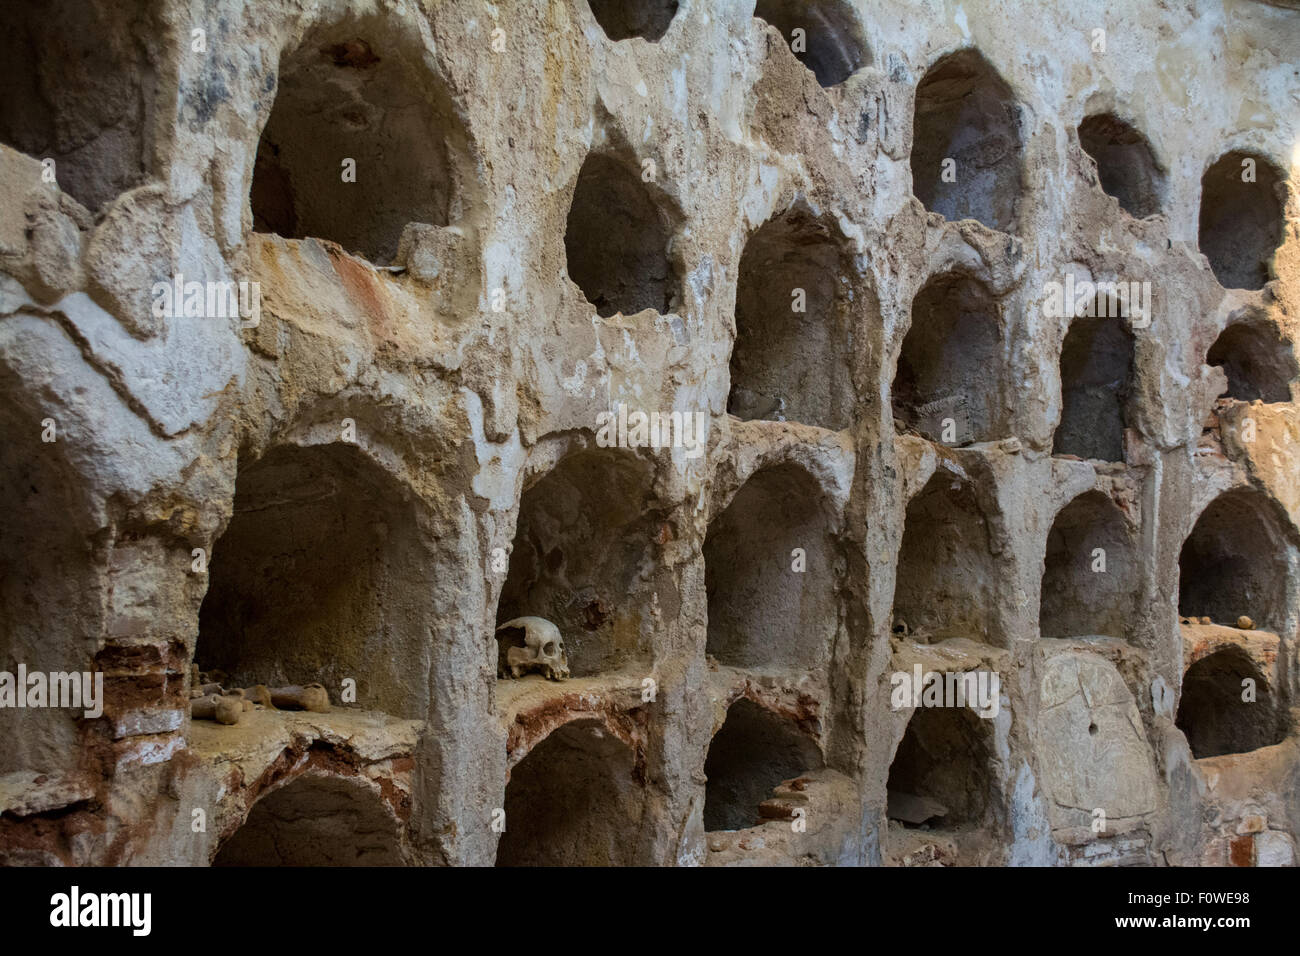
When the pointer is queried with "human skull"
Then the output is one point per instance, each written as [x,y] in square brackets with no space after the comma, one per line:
[543,649]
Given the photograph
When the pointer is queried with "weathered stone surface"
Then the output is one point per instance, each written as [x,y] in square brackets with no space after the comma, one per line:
[1274,848]
[1094,748]
[444,253]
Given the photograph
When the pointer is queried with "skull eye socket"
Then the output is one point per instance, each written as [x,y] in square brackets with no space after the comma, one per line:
[549,648]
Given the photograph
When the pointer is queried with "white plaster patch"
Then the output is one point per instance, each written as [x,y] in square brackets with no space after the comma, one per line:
[498,464]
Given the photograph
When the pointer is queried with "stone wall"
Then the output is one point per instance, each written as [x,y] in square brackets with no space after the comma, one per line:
[867,248]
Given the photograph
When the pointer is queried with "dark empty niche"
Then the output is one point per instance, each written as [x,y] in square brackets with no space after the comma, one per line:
[320,576]
[583,542]
[762,611]
[625,19]
[316,821]
[576,799]
[1241,222]
[51,566]
[1234,563]
[343,95]
[1096,382]
[617,240]
[794,321]
[1126,165]
[831,44]
[944,760]
[946,573]
[1212,713]
[753,752]
[966,112]
[1259,362]
[949,383]
[79,88]
[1083,593]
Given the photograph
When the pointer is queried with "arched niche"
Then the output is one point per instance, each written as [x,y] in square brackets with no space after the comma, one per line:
[946,578]
[770,574]
[753,752]
[1242,218]
[796,310]
[79,79]
[966,142]
[363,138]
[576,799]
[950,377]
[1126,164]
[1234,563]
[584,543]
[618,240]
[321,575]
[316,820]
[824,35]
[1090,571]
[1214,712]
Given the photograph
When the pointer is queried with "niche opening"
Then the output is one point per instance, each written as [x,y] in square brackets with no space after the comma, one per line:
[949,383]
[945,582]
[1096,383]
[1230,564]
[1212,713]
[576,799]
[794,321]
[943,759]
[1259,362]
[831,44]
[583,545]
[753,752]
[966,146]
[316,579]
[1089,571]
[617,241]
[1242,221]
[49,572]
[361,140]
[79,87]
[1126,165]
[316,820]
[625,19]
[762,611]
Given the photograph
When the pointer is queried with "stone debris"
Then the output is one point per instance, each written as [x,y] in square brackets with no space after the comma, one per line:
[212,702]
[312,697]
[224,710]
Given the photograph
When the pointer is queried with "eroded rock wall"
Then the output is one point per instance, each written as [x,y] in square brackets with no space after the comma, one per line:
[325,331]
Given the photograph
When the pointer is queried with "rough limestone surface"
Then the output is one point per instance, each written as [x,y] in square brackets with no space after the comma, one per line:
[328,335]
